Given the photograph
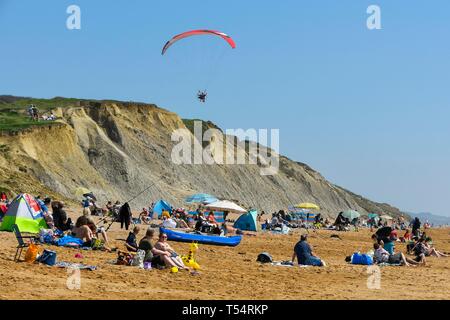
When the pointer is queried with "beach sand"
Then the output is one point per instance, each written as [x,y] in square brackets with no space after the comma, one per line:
[230,272]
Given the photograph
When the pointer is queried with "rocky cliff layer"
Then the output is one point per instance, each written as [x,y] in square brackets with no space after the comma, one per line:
[119,149]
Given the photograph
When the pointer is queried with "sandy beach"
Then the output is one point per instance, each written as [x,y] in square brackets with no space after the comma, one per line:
[230,272]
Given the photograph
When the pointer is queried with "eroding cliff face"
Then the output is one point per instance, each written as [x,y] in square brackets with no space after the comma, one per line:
[119,149]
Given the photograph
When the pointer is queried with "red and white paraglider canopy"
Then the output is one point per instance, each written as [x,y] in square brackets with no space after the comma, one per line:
[183,35]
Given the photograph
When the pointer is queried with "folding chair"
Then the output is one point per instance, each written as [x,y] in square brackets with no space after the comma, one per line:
[21,243]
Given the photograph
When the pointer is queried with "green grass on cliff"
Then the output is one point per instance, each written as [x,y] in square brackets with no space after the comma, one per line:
[14,111]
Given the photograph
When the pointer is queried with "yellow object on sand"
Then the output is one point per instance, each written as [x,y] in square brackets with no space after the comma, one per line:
[189,260]
[307,205]
[174,270]
[166,214]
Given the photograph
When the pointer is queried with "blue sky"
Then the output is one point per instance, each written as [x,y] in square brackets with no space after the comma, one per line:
[367,109]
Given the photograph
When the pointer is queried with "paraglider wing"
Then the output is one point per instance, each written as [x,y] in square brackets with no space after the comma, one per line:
[183,35]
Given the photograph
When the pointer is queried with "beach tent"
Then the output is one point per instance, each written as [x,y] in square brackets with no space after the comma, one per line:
[160,206]
[247,221]
[24,211]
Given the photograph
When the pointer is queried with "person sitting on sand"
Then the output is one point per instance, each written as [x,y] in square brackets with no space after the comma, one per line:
[431,251]
[406,236]
[153,255]
[305,255]
[390,244]
[165,250]
[201,221]
[97,230]
[60,217]
[180,222]
[83,232]
[131,242]
[382,256]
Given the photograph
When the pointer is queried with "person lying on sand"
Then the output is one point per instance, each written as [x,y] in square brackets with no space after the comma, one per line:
[304,254]
[226,229]
[166,251]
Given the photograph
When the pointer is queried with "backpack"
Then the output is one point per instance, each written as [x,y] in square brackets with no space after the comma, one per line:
[264,258]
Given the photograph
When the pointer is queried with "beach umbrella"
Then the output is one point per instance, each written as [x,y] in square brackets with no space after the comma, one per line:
[386,217]
[307,205]
[351,214]
[81,191]
[225,205]
[201,198]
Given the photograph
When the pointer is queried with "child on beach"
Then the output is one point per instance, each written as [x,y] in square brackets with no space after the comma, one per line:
[131,242]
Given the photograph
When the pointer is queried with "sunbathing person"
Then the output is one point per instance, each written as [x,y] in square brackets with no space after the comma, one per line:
[305,255]
[180,222]
[431,251]
[83,232]
[97,230]
[166,251]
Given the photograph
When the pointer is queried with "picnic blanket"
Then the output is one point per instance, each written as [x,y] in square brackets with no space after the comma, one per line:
[63,264]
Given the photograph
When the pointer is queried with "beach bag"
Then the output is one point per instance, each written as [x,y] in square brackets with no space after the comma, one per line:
[264,258]
[138,259]
[48,257]
[32,252]
[364,259]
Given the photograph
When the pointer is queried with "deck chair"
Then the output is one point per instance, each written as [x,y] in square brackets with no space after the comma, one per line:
[21,243]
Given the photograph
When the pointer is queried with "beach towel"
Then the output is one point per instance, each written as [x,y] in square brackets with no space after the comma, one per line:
[68,241]
[385,264]
[288,264]
[63,264]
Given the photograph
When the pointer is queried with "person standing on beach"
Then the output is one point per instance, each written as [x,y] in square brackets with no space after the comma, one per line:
[125,216]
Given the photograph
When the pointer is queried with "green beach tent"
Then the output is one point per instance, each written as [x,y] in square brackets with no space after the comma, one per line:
[24,211]
[247,221]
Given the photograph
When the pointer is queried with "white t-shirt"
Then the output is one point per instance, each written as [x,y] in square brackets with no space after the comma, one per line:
[169,223]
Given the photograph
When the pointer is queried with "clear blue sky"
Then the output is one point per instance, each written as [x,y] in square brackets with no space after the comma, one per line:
[368,109]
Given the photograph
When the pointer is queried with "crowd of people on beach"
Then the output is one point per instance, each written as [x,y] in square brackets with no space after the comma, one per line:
[161,254]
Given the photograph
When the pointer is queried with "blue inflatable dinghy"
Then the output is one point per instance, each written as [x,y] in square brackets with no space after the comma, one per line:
[201,238]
